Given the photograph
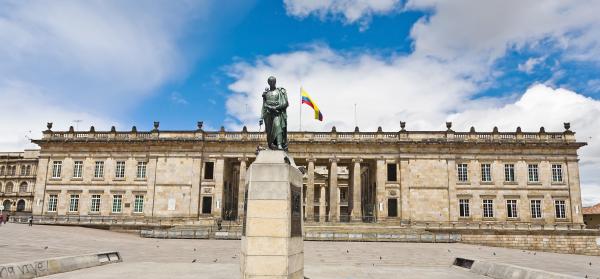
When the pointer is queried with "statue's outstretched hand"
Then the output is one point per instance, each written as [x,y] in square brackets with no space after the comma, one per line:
[260,122]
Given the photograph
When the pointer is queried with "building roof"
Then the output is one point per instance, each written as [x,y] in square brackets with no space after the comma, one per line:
[595,209]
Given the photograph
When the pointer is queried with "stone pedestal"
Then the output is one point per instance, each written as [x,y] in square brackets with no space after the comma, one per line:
[272,242]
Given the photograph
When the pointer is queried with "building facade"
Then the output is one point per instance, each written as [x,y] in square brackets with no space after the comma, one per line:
[591,216]
[357,177]
[17,180]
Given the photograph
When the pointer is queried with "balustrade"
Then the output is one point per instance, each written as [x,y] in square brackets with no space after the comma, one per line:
[319,136]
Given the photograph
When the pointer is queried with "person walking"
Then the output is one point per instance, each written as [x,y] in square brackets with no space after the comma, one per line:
[30,220]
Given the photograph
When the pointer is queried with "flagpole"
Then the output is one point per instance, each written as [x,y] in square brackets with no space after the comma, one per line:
[300,108]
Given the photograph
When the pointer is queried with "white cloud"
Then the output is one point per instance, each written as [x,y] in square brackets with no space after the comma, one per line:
[350,11]
[482,31]
[85,59]
[25,110]
[420,91]
[177,98]
[530,64]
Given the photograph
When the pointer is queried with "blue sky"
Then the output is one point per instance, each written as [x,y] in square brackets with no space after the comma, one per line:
[475,63]
[261,28]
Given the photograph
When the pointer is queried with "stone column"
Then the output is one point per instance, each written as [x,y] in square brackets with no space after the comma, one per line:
[242,187]
[195,191]
[219,176]
[380,189]
[356,187]
[310,190]
[322,204]
[334,207]
[575,192]
[39,188]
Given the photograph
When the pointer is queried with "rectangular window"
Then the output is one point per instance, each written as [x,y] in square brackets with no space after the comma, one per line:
[141,170]
[463,206]
[536,209]
[52,202]
[511,209]
[488,208]
[56,169]
[117,206]
[209,168]
[138,205]
[99,169]
[120,169]
[509,172]
[74,204]
[463,174]
[532,170]
[486,172]
[391,172]
[78,169]
[560,209]
[95,207]
[557,175]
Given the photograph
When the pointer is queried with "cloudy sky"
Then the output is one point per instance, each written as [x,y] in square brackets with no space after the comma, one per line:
[502,63]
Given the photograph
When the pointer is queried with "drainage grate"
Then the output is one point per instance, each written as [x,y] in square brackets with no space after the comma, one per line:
[466,263]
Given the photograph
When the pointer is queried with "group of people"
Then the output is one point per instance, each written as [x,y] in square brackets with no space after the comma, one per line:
[5,217]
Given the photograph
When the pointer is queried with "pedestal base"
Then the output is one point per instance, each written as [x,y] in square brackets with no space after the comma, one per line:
[272,242]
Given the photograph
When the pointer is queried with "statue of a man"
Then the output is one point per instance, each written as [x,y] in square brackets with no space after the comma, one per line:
[274,115]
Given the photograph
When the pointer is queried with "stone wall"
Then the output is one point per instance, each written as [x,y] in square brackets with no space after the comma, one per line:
[584,242]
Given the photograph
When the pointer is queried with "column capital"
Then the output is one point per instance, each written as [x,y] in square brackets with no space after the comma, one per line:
[311,159]
[357,160]
[244,158]
[334,160]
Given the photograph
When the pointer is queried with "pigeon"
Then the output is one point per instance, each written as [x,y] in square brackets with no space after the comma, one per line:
[347,251]
[45,248]
[380,258]
[194,249]
[194,261]
[590,263]
[215,260]
[534,254]
[494,253]
[449,251]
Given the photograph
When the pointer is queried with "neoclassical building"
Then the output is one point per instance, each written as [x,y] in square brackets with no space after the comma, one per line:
[357,177]
[17,180]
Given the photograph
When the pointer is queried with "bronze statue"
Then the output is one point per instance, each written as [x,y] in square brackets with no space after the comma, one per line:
[274,115]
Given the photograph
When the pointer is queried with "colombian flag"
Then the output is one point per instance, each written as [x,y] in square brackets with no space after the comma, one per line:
[306,100]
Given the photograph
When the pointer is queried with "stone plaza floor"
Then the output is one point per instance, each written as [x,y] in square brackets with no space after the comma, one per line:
[183,258]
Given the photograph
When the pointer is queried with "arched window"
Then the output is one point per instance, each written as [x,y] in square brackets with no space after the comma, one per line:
[1,189]
[9,187]
[2,170]
[23,187]
[21,205]
[13,170]
[7,204]
[28,171]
